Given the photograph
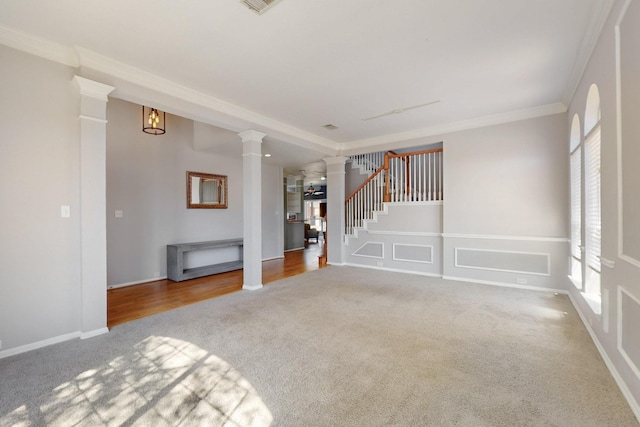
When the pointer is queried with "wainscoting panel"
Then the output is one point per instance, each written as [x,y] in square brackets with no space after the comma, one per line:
[518,261]
[370,250]
[629,128]
[413,253]
[508,261]
[402,251]
[628,321]
[404,237]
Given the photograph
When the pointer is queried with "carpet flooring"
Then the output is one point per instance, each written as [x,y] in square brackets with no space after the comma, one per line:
[340,346]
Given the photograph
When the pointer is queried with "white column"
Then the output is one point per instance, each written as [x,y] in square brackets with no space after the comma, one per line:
[252,208]
[93,205]
[335,209]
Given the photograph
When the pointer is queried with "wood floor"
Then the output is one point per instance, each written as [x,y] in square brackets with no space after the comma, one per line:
[138,301]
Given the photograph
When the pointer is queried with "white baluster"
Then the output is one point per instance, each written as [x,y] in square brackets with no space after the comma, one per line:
[429,177]
[367,195]
[441,175]
[422,184]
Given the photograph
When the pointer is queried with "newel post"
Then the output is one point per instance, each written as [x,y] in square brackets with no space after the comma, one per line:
[387,192]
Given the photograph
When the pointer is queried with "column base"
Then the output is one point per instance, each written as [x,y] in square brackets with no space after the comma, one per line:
[248,287]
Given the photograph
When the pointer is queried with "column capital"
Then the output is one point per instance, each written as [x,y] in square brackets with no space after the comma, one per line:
[92,88]
[251,135]
[335,164]
[337,160]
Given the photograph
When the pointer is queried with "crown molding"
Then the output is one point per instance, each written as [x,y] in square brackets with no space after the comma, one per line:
[349,148]
[85,58]
[589,41]
[112,67]
[38,46]
[92,89]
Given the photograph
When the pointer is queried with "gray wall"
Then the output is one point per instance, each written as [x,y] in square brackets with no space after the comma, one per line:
[406,237]
[504,216]
[615,330]
[505,210]
[39,170]
[508,180]
[272,212]
[146,179]
[40,292]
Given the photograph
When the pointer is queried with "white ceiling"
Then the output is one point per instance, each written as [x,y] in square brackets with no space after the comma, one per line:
[307,63]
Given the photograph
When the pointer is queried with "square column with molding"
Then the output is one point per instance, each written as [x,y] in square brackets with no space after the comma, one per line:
[335,209]
[93,205]
[252,208]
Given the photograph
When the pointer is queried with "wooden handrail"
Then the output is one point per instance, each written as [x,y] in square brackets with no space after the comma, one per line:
[414,153]
[368,180]
[387,186]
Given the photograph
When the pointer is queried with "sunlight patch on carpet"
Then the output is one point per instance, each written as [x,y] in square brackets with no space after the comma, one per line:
[162,382]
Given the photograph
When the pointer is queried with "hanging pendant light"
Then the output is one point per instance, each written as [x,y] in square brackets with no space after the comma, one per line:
[153,121]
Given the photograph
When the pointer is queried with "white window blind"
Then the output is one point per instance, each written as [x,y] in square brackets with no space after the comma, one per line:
[576,203]
[592,199]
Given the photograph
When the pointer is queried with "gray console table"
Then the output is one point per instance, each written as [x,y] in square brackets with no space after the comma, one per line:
[175,259]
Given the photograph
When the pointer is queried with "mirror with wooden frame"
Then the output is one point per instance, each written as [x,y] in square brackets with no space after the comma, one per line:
[206,191]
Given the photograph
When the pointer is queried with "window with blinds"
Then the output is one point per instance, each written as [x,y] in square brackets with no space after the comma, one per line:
[576,203]
[592,200]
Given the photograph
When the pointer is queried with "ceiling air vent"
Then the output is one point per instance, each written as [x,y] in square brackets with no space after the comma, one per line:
[258,6]
[330,127]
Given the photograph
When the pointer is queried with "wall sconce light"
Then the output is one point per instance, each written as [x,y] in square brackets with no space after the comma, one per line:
[153,121]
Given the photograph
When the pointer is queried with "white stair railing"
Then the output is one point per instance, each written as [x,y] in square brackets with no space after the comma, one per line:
[415,177]
[369,162]
[405,177]
[363,202]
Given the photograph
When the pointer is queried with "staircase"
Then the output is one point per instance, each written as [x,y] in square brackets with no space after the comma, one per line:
[393,178]
[393,220]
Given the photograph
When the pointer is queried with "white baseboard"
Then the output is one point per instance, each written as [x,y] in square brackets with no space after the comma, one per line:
[39,344]
[137,282]
[506,285]
[295,249]
[155,279]
[94,333]
[635,407]
[393,270]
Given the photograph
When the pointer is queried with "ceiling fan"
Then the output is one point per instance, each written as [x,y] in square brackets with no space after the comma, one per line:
[401,110]
[312,191]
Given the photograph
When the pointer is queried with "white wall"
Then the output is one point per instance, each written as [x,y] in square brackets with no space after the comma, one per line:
[146,179]
[39,170]
[615,330]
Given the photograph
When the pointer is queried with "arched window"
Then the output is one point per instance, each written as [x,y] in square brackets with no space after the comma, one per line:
[575,150]
[592,224]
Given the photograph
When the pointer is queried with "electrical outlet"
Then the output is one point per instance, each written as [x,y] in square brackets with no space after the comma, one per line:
[379,263]
[65,211]
[118,214]
[156,274]
[521,281]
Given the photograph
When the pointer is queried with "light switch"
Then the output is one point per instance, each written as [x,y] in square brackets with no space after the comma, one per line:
[65,211]
[118,214]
